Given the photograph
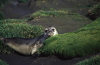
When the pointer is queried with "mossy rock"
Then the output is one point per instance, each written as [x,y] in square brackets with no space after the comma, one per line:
[92,61]
[3,63]
[63,20]
[79,43]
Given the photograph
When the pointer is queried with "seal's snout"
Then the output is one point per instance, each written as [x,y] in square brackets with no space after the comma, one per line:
[51,31]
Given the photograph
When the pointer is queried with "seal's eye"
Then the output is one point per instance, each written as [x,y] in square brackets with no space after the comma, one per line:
[46,30]
[53,29]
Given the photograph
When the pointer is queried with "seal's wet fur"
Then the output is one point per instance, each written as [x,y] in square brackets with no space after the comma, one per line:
[28,46]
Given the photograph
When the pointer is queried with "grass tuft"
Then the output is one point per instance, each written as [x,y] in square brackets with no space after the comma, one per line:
[18,28]
[16,21]
[51,13]
[92,61]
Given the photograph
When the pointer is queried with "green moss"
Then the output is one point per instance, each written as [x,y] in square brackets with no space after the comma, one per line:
[79,43]
[3,63]
[91,61]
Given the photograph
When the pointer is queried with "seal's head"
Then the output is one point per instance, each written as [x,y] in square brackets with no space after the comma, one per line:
[51,31]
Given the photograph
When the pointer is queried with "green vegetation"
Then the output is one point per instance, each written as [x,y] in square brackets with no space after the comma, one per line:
[17,28]
[3,63]
[49,13]
[92,61]
[14,21]
[80,43]
[23,1]
[93,26]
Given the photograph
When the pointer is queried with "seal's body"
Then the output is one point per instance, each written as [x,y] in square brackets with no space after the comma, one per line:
[29,46]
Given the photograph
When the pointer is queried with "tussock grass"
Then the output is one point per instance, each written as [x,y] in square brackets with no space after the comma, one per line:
[43,13]
[3,63]
[80,43]
[16,21]
[49,13]
[92,61]
[18,28]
